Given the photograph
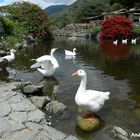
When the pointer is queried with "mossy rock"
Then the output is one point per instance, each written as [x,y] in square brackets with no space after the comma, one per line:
[88,124]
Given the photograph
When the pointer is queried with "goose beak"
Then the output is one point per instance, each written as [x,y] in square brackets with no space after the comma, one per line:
[75,74]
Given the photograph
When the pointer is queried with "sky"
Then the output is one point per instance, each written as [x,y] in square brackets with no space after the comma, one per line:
[41,3]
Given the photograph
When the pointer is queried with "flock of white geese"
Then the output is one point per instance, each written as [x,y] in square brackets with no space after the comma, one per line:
[125,41]
[88,100]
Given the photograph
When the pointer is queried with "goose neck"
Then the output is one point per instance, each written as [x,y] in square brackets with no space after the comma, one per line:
[12,54]
[54,61]
[83,83]
[74,52]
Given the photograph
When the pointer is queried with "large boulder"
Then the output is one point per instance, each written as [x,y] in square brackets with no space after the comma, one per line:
[28,89]
[40,101]
[29,39]
[32,90]
[19,46]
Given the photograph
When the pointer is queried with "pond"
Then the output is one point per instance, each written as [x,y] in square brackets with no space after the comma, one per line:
[108,69]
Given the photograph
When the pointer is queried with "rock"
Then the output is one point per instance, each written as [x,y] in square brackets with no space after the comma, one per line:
[23,106]
[29,39]
[17,98]
[71,138]
[40,101]
[3,53]
[56,108]
[88,124]
[1,45]
[21,85]
[3,63]
[25,43]
[32,90]
[20,119]
[25,134]
[19,116]
[53,133]
[33,125]
[8,125]
[19,46]
[5,109]
[36,116]
[119,133]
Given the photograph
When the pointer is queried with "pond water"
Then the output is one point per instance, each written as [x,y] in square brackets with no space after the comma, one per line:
[108,69]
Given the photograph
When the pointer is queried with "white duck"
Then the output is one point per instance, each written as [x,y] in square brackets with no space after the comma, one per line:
[71,53]
[89,100]
[115,42]
[124,41]
[133,41]
[48,64]
[10,57]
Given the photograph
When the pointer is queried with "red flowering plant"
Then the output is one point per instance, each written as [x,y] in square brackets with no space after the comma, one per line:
[31,17]
[116,27]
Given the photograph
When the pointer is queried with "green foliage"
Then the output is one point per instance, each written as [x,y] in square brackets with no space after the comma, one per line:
[82,9]
[136,30]
[126,3]
[29,19]
[11,40]
[8,25]
[96,29]
[116,6]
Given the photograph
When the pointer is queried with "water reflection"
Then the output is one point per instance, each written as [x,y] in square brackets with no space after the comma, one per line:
[50,86]
[111,51]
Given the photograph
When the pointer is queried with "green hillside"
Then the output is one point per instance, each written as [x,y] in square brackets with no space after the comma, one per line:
[82,9]
[78,11]
[55,9]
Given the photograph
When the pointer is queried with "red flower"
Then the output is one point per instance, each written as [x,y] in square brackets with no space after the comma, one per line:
[116,27]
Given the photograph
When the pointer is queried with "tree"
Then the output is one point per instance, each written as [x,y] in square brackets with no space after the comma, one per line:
[126,3]
[116,27]
[31,17]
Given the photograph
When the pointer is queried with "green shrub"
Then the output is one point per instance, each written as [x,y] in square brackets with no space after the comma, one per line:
[8,25]
[136,30]
[29,19]
[116,6]
[97,29]
[11,40]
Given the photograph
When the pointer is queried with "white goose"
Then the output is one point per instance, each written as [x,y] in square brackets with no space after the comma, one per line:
[10,57]
[71,53]
[115,42]
[89,100]
[46,64]
[124,41]
[133,41]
